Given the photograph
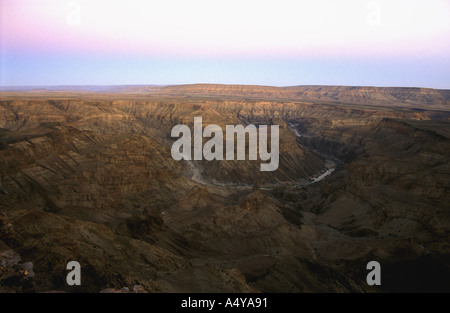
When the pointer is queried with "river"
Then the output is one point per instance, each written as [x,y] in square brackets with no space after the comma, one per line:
[195,172]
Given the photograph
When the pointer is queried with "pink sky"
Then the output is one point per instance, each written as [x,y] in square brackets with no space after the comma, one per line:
[384,42]
[228,28]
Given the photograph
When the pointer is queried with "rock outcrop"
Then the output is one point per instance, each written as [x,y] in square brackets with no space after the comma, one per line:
[15,275]
[89,177]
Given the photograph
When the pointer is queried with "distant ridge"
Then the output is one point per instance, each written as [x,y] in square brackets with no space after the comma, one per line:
[324,93]
[327,94]
[342,94]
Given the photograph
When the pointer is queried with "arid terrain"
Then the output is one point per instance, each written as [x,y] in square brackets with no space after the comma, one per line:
[88,176]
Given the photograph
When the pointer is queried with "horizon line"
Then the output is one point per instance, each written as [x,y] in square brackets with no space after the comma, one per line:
[4,88]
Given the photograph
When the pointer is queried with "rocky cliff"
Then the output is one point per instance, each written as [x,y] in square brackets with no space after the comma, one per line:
[89,177]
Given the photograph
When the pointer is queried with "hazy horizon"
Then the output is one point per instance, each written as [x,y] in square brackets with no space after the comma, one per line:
[84,87]
[288,43]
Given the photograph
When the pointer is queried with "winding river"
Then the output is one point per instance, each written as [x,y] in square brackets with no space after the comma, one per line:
[195,172]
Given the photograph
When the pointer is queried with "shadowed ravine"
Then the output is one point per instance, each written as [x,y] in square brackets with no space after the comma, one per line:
[363,175]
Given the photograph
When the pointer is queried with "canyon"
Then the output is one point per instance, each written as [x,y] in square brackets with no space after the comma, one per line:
[87,175]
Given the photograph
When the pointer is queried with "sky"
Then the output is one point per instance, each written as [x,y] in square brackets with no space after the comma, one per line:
[404,43]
